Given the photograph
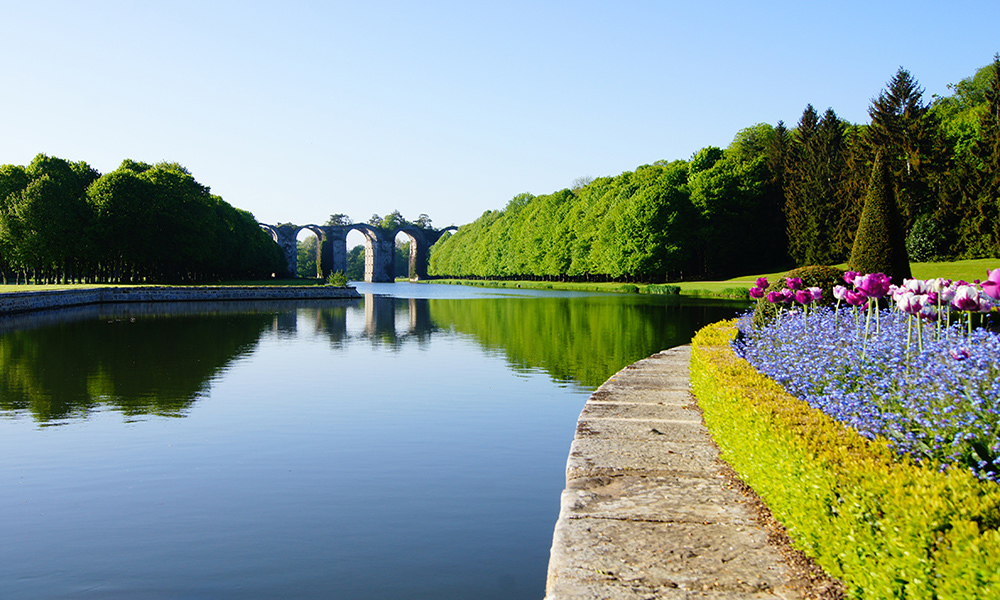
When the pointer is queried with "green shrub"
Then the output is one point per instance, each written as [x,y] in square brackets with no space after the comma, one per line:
[337,279]
[885,526]
[925,240]
[629,288]
[665,290]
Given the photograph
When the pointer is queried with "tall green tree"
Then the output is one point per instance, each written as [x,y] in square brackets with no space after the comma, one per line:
[880,244]
[815,198]
[905,133]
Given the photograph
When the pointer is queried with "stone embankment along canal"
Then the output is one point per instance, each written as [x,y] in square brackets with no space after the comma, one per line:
[19,302]
[648,510]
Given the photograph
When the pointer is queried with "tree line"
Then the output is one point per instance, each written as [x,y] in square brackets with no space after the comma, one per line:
[64,222]
[774,198]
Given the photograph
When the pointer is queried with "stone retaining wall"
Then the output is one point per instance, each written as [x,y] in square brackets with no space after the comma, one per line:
[19,302]
[647,511]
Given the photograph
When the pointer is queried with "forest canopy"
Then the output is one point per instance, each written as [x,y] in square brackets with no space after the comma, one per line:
[774,198]
[62,221]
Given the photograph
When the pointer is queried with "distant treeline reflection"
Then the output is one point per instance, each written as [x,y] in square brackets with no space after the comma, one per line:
[137,365]
[578,339]
[160,358]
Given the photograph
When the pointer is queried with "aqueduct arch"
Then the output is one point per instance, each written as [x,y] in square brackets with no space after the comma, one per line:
[380,248]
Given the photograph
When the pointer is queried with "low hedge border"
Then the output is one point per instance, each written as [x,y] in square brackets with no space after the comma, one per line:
[884,525]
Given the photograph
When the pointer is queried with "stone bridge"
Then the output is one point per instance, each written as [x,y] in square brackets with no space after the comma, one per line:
[380,248]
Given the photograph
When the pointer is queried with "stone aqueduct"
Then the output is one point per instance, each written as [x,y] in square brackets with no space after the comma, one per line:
[380,248]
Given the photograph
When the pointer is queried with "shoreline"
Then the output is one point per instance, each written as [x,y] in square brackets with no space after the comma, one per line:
[30,301]
[650,510]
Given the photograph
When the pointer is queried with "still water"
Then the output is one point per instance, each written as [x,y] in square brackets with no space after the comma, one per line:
[408,445]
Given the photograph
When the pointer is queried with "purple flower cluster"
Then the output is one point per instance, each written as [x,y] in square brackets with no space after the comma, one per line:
[939,403]
[794,292]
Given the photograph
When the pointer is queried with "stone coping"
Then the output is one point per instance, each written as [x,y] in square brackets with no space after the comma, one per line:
[19,302]
[648,511]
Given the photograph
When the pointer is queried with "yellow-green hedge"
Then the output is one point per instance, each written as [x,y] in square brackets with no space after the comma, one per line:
[888,528]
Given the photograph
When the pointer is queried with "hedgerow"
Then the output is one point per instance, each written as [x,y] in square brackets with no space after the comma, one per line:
[887,526]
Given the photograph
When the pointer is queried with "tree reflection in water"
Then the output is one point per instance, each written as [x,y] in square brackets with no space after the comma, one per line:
[159,358]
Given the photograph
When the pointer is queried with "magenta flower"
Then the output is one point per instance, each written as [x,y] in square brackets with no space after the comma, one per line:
[803,296]
[928,313]
[849,277]
[966,298]
[959,353]
[794,283]
[991,287]
[816,292]
[917,286]
[855,297]
[776,297]
[874,285]
[939,284]
[762,283]
[910,303]
[756,292]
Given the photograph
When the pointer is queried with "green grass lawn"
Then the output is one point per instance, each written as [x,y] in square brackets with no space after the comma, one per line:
[737,287]
[969,270]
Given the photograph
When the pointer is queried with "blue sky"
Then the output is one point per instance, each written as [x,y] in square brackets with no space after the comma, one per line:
[296,110]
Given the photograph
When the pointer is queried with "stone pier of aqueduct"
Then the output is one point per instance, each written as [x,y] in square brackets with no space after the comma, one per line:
[380,248]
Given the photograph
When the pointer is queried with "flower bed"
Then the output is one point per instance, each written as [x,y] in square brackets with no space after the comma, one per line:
[888,526]
[927,382]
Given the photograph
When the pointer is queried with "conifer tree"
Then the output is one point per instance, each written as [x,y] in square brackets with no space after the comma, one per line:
[905,132]
[814,199]
[799,189]
[985,232]
[879,245]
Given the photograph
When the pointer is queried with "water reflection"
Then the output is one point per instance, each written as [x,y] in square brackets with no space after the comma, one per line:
[129,358]
[160,358]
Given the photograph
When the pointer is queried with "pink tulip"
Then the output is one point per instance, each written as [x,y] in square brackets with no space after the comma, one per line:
[917,286]
[959,353]
[762,283]
[756,292]
[839,292]
[803,296]
[991,287]
[938,284]
[817,293]
[910,303]
[966,298]
[874,285]
[794,283]
[855,297]
[849,277]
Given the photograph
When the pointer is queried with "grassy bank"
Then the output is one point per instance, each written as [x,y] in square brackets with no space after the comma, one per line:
[737,287]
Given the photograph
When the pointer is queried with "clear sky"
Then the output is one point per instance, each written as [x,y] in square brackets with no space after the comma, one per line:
[295,110]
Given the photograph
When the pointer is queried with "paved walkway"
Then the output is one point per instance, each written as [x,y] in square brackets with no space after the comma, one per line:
[647,511]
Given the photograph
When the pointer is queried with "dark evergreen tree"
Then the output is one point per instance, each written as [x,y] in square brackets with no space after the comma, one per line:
[814,197]
[906,134]
[880,245]
[981,232]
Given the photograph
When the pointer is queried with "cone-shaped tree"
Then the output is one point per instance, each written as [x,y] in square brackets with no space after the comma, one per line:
[880,244]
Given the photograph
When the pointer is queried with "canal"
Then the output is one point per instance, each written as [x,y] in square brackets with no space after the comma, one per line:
[408,445]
